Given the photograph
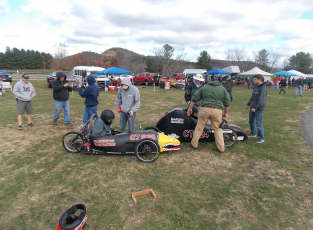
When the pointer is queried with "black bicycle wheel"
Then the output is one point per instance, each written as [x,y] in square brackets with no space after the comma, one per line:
[72,142]
[230,137]
[147,150]
[152,128]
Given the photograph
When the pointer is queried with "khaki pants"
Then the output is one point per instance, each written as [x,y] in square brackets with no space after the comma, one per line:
[215,116]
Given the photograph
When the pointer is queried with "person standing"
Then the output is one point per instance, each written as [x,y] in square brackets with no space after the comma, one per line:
[306,82]
[91,94]
[24,92]
[128,98]
[61,89]
[257,105]
[293,81]
[229,84]
[214,98]
[276,83]
[299,84]
[283,84]
[192,88]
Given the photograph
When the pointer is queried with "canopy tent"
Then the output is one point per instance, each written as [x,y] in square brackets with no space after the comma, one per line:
[217,71]
[113,71]
[297,73]
[232,69]
[255,71]
[284,73]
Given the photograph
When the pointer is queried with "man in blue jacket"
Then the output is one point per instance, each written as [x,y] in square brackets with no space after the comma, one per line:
[91,94]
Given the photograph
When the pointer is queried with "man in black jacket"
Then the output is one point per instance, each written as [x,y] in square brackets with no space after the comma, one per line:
[257,105]
[192,88]
[61,89]
[283,84]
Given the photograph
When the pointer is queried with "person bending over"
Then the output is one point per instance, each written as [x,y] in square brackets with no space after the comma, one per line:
[102,124]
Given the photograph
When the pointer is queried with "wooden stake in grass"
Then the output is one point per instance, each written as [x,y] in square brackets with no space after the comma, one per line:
[144,192]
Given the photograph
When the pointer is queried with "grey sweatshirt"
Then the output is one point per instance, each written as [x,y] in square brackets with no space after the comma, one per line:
[128,98]
[23,91]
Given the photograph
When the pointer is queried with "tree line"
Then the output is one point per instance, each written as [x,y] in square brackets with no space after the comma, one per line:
[25,59]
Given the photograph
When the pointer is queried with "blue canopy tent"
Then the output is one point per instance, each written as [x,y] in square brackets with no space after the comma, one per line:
[284,73]
[217,71]
[113,71]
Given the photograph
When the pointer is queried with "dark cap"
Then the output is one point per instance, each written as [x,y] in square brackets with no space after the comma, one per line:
[25,76]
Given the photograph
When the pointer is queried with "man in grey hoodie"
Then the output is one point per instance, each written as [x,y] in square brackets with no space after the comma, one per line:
[128,98]
[24,91]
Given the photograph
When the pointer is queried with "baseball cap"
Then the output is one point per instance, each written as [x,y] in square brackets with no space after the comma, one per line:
[25,76]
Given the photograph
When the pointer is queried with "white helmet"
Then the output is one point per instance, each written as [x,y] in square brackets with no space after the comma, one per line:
[198,77]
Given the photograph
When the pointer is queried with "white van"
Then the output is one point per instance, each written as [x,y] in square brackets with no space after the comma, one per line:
[81,72]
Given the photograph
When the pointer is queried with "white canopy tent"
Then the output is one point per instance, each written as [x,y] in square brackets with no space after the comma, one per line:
[255,71]
[232,69]
[297,73]
[267,76]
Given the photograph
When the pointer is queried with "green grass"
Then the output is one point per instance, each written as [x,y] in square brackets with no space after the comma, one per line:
[250,186]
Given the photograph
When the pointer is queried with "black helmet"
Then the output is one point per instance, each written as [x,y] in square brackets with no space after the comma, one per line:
[107,116]
[69,221]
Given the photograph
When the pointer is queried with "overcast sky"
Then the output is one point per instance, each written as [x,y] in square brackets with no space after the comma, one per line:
[279,26]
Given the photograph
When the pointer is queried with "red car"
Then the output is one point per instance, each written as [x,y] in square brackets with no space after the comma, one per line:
[144,78]
[69,76]
[176,78]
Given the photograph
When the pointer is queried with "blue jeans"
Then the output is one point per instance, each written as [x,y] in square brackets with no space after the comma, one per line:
[231,95]
[124,117]
[89,110]
[275,86]
[300,88]
[256,117]
[59,105]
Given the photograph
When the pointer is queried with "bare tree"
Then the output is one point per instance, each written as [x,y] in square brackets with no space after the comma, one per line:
[60,55]
[285,63]
[273,61]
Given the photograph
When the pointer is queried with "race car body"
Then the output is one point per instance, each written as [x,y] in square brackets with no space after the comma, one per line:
[178,124]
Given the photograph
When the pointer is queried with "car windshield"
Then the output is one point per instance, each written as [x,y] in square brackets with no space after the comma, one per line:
[4,72]
[100,76]
[68,74]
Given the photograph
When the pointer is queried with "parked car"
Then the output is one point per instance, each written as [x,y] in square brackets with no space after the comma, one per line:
[122,76]
[144,78]
[69,76]
[5,75]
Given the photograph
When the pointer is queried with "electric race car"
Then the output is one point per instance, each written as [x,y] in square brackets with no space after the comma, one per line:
[145,144]
[178,124]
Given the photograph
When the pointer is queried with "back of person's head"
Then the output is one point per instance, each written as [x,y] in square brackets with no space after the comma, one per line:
[259,76]
[107,116]
[60,74]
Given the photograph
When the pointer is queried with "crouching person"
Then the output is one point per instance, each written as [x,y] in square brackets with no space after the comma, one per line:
[102,124]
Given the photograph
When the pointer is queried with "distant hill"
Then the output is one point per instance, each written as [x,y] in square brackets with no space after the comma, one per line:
[116,51]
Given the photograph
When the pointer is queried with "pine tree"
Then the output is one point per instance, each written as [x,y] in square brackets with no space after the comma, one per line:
[204,61]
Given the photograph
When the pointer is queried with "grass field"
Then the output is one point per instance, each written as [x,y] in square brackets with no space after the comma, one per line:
[250,186]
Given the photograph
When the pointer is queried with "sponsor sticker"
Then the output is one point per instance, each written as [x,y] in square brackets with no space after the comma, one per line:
[177,120]
[105,143]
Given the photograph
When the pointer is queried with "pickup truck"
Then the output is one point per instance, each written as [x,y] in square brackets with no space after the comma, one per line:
[145,78]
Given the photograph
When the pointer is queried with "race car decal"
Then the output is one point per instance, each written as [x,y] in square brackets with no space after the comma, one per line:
[136,137]
[105,143]
[189,133]
[177,120]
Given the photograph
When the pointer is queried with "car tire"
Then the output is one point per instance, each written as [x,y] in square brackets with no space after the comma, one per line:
[49,84]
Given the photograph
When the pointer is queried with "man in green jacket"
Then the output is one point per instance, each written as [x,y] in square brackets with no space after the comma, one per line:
[214,99]
[306,82]
[229,84]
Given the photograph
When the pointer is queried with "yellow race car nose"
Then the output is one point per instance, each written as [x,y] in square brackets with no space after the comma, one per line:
[167,143]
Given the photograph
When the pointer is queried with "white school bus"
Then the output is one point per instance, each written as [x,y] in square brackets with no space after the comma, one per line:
[81,73]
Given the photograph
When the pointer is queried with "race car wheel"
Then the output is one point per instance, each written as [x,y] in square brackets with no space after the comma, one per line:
[152,128]
[73,142]
[230,137]
[147,150]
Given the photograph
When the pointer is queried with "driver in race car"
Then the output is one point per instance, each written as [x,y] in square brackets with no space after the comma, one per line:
[102,124]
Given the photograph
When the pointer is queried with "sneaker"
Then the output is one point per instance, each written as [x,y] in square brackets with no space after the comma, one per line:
[69,125]
[259,141]
[31,124]
[19,127]
[250,135]
[54,122]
